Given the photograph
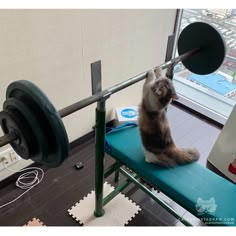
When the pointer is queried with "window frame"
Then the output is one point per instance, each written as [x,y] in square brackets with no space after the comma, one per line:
[206,111]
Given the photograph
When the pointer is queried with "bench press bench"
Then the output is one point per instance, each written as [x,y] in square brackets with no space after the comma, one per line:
[184,184]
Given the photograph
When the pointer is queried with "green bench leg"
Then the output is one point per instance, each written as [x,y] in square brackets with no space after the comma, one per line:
[99,157]
[117,172]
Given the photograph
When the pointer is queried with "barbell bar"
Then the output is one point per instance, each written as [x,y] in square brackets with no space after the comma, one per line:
[33,126]
[116,88]
[7,138]
[10,137]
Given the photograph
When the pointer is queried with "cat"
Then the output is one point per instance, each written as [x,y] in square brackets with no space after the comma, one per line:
[158,145]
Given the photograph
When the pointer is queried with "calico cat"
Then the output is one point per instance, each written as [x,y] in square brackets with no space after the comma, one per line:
[158,145]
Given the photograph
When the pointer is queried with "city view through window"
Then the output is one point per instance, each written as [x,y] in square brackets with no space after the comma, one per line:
[216,91]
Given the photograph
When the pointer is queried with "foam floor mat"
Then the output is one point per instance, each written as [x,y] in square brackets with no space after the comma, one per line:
[35,222]
[118,212]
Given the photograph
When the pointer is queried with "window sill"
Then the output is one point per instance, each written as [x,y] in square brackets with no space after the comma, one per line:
[202,100]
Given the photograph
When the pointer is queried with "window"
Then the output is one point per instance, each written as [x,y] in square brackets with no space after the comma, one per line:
[215,94]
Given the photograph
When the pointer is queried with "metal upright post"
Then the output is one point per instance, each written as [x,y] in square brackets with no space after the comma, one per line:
[169,55]
[172,44]
[100,127]
[99,157]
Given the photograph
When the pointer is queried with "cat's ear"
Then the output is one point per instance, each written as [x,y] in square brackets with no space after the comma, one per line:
[174,96]
[212,200]
[158,72]
[199,200]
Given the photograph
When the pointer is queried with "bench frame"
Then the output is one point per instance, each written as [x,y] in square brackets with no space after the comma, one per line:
[101,173]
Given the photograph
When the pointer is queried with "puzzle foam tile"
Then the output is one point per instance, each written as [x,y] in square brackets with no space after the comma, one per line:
[35,222]
[118,212]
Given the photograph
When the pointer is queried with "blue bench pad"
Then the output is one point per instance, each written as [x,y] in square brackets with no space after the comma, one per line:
[184,184]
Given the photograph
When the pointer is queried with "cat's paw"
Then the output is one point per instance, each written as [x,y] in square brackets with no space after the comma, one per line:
[158,72]
[194,153]
[147,160]
[150,75]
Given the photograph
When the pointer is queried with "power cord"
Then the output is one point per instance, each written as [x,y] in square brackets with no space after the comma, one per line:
[27,180]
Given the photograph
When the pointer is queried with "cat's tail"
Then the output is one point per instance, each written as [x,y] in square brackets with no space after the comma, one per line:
[184,155]
[175,156]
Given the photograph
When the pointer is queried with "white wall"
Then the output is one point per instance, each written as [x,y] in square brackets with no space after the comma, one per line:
[54,49]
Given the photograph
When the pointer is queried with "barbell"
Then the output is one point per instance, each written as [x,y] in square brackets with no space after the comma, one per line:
[34,128]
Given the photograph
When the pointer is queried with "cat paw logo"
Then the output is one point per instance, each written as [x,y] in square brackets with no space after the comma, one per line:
[205,206]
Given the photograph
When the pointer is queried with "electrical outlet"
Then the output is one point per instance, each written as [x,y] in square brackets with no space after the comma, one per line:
[7,158]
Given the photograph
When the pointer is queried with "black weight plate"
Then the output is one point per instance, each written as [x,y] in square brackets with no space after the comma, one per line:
[209,40]
[48,120]
[11,122]
[37,143]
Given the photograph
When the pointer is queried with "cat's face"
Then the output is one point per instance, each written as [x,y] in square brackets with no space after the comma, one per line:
[160,90]
[164,89]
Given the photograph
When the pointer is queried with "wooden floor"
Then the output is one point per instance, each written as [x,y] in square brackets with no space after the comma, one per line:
[62,187]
